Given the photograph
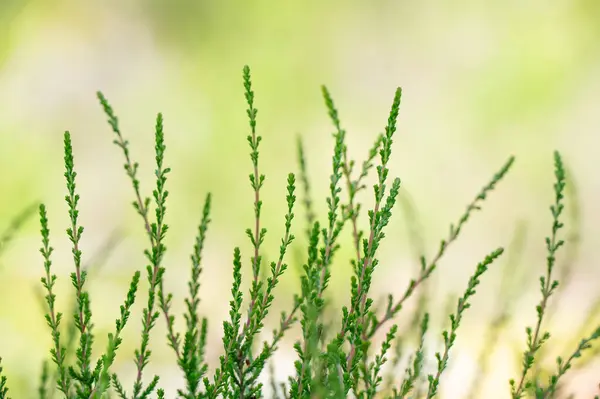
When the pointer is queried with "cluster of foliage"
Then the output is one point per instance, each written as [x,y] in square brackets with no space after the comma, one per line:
[334,360]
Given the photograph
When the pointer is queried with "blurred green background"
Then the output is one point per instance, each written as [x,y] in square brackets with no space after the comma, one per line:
[481,80]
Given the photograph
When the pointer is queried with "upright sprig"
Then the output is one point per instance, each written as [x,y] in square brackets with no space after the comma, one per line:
[115,340]
[427,268]
[231,337]
[333,229]
[535,337]
[261,297]
[257,234]
[379,218]
[155,271]
[84,376]
[455,319]
[328,371]
[53,318]
[156,232]
[335,223]
[317,269]
[238,365]
[566,270]
[192,359]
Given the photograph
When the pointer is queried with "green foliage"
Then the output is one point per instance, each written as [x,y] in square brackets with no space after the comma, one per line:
[536,338]
[412,374]
[335,358]
[455,318]
[53,318]
[3,388]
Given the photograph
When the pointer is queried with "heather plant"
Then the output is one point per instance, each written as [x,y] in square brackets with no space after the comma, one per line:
[335,359]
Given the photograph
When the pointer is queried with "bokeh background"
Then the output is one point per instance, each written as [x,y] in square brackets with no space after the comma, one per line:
[481,81]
